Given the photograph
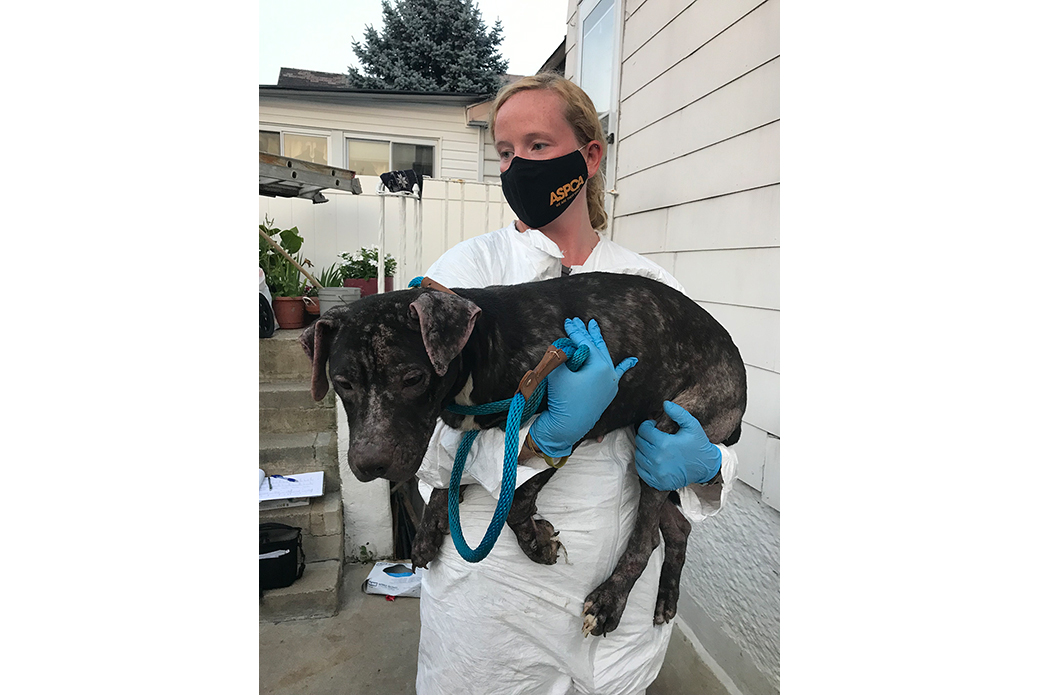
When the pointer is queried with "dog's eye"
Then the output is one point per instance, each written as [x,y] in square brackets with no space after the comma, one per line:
[343,383]
[413,379]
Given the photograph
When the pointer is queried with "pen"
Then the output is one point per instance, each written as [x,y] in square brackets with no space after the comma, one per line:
[291,480]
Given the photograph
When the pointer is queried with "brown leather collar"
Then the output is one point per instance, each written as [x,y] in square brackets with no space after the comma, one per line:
[433,284]
[552,359]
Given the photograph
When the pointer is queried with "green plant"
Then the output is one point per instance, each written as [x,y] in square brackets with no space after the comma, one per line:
[363,264]
[284,279]
[331,276]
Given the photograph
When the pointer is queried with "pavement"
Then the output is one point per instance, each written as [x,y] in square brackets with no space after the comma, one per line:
[371,646]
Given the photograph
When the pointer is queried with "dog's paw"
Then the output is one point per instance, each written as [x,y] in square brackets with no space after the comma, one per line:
[667,593]
[537,538]
[420,559]
[667,599]
[426,545]
[603,609]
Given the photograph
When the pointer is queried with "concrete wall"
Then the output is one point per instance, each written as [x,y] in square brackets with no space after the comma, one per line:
[697,175]
[368,530]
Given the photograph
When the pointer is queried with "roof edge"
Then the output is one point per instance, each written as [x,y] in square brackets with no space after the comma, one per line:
[468,97]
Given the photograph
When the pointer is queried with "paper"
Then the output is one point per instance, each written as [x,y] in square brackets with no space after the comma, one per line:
[295,485]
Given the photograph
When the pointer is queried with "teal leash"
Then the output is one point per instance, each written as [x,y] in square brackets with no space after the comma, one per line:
[520,410]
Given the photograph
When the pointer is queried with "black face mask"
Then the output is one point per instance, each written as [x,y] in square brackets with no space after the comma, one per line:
[539,190]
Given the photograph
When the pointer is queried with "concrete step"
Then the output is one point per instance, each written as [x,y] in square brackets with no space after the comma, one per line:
[314,595]
[293,394]
[285,454]
[321,522]
[282,357]
[298,435]
[286,407]
[278,421]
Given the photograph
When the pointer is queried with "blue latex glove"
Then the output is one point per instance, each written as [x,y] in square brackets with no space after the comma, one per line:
[671,461]
[578,399]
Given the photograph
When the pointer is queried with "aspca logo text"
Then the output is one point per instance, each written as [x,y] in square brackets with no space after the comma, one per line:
[566,191]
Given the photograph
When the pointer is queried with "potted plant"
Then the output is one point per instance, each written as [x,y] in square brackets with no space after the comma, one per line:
[360,269]
[283,277]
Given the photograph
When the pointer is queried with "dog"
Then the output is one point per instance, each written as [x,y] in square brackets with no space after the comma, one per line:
[397,360]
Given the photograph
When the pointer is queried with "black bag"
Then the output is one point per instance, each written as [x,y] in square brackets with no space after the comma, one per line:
[283,547]
[266,318]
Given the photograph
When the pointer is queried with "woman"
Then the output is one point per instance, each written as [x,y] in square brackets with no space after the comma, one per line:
[507,624]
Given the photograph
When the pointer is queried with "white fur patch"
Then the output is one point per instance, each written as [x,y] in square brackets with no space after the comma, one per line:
[463,398]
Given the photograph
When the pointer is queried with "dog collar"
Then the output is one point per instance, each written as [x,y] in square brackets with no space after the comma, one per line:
[430,283]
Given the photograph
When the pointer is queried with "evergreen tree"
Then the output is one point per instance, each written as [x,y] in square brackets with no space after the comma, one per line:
[431,46]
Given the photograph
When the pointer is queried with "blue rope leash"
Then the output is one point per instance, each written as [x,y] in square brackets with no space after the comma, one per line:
[520,411]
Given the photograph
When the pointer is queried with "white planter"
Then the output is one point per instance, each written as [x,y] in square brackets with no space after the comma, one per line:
[329,297]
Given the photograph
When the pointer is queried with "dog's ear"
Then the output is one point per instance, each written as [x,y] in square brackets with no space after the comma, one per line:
[446,322]
[316,341]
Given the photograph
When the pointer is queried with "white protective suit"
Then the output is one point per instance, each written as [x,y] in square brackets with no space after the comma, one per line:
[508,625]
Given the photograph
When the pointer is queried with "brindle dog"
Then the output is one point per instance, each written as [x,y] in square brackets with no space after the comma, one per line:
[396,360]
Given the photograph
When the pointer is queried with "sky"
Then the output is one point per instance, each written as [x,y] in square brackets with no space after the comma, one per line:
[317,34]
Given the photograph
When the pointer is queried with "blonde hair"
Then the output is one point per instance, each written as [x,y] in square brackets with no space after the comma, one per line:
[581,115]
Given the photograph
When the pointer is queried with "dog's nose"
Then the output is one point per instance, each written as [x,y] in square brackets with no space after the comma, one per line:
[367,461]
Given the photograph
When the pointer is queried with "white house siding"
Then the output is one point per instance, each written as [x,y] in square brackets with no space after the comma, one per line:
[697,176]
[491,172]
[457,144]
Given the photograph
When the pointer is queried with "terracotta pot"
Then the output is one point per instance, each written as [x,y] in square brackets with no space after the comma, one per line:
[289,312]
[369,286]
[312,306]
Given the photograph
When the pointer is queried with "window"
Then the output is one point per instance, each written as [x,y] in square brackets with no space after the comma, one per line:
[599,43]
[418,157]
[368,157]
[374,157]
[597,54]
[271,143]
[310,148]
[364,155]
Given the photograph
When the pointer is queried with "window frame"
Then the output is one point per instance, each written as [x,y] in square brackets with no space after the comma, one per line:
[585,9]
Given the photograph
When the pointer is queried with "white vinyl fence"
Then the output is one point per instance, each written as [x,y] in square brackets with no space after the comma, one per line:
[416,232]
